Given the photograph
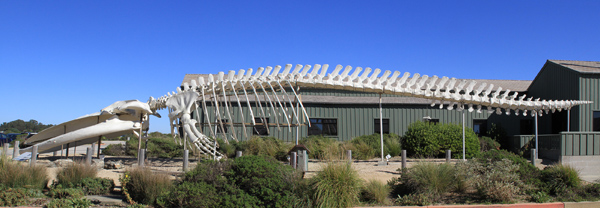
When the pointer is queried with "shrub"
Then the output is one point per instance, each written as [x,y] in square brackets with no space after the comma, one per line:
[161,146]
[69,202]
[374,191]
[16,175]
[496,181]
[487,144]
[560,177]
[114,150]
[144,186]
[97,186]
[432,140]
[527,172]
[391,145]
[264,178]
[13,197]
[429,178]
[74,173]
[417,199]
[337,185]
[63,193]
[498,134]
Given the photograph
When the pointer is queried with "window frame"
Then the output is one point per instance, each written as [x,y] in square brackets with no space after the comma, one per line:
[377,127]
[323,122]
[258,129]
[484,121]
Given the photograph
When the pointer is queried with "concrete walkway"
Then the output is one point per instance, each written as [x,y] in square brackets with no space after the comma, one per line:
[522,205]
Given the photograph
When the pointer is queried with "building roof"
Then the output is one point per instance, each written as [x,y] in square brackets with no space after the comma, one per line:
[586,67]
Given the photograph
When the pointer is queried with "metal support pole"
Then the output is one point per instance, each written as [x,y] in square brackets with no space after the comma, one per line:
[448,155]
[16,149]
[298,113]
[463,132]
[99,146]
[141,156]
[381,128]
[533,152]
[349,155]
[93,149]
[568,120]
[536,135]
[34,153]
[67,155]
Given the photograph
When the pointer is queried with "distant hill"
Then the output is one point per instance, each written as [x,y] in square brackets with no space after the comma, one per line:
[19,126]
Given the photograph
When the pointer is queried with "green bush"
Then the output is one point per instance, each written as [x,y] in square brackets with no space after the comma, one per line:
[162,147]
[498,134]
[144,186]
[528,173]
[374,191]
[391,145]
[432,140]
[12,197]
[559,177]
[487,144]
[337,185]
[69,202]
[248,181]
[74,173]
[97,186]
[62,193]
[416,199]
[114,150]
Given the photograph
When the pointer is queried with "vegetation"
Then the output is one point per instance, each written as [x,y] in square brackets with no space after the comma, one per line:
[141,185]
[375,192]
[20,126]
[337,185]
[367,146]
[487,144]
[323,148]
[432,140]
[16,175]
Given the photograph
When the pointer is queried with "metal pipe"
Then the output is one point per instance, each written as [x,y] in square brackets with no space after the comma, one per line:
[536,135]
[381,126]
[463,132]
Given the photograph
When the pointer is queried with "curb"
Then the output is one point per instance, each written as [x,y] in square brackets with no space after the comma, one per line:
[521,205]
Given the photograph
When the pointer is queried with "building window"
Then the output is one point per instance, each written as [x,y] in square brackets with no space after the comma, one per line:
[434,121]
[386,126]
[261,127]
[480,127]
[218,126]
[596,121]
[526,126]
[326,127]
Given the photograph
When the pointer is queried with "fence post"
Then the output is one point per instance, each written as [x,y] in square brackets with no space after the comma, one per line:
[302,160]
[16,149]
[293,159]
[349,155]
[448,155]
[403,160]
[34,152]
[186,155]
[5,149]
[533,151]
[88,156]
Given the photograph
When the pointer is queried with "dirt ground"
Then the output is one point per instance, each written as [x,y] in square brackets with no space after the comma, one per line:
[367,169]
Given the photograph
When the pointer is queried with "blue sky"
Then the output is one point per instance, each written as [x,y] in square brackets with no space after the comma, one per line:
[60,60]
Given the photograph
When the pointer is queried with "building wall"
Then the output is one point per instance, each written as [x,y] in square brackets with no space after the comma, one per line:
[589,89]
[555,82]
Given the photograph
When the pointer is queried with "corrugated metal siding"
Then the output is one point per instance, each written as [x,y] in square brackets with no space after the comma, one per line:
[555,82]
[589,89]
[352,120]
[580,143]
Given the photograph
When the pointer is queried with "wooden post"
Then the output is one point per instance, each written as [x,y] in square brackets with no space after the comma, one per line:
[349,155]
[403,160]
[88,156]
[33,159]
[186,154]
[16,149]
[99,146]
[293,159]
[448,155]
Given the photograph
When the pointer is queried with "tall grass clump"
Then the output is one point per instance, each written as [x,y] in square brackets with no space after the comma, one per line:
[495,181]
[16,175]
[337,185]
[324,148]
[159,145]
[391,145]
[75,173]
[270,146]
[144,186]
[430,178]
[559,178]
[374,192]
